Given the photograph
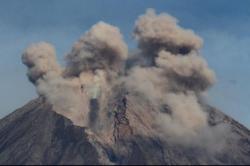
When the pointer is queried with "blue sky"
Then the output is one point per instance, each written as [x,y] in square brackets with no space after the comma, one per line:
[223,24]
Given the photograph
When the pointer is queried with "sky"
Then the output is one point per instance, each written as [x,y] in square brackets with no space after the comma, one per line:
[224,26]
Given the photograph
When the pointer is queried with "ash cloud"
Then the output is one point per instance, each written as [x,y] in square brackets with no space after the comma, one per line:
[40,59]
[102,47]
[162,32]
[173,80]
[191,71]
[94,62]
[65,97]
[167,88]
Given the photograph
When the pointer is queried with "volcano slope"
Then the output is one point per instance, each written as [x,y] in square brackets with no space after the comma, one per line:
[34,134]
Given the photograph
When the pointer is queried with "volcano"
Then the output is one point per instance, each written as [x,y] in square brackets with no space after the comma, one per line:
[112,105]
[34,134]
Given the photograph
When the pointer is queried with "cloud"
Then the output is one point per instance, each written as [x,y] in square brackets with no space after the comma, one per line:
[190,71]
[163,95]
[102,47]
[40,59]
[162,32]
[173,82]
[65,97]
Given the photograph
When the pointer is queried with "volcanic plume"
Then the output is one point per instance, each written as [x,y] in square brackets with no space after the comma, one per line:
[173,80]
[131,102]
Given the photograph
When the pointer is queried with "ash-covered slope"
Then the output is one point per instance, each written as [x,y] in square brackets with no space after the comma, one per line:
[34,134]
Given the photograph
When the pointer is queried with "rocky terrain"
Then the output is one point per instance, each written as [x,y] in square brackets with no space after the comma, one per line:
[34,134]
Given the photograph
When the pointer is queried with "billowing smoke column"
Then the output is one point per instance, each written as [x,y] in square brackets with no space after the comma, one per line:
[40,59]
[161,32]
[97,59]
[163,94]
[189,71]
[65,96]
[91,65]
[100,48]
[46,74]
[174,78]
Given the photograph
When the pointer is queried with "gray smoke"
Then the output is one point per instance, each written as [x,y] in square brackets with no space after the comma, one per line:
[173,80]
[190,72]
[102,47]
[161,32]
[93,63]
[65,96]
[40,59]
[162,95]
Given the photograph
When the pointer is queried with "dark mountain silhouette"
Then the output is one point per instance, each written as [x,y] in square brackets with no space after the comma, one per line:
[34,134]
